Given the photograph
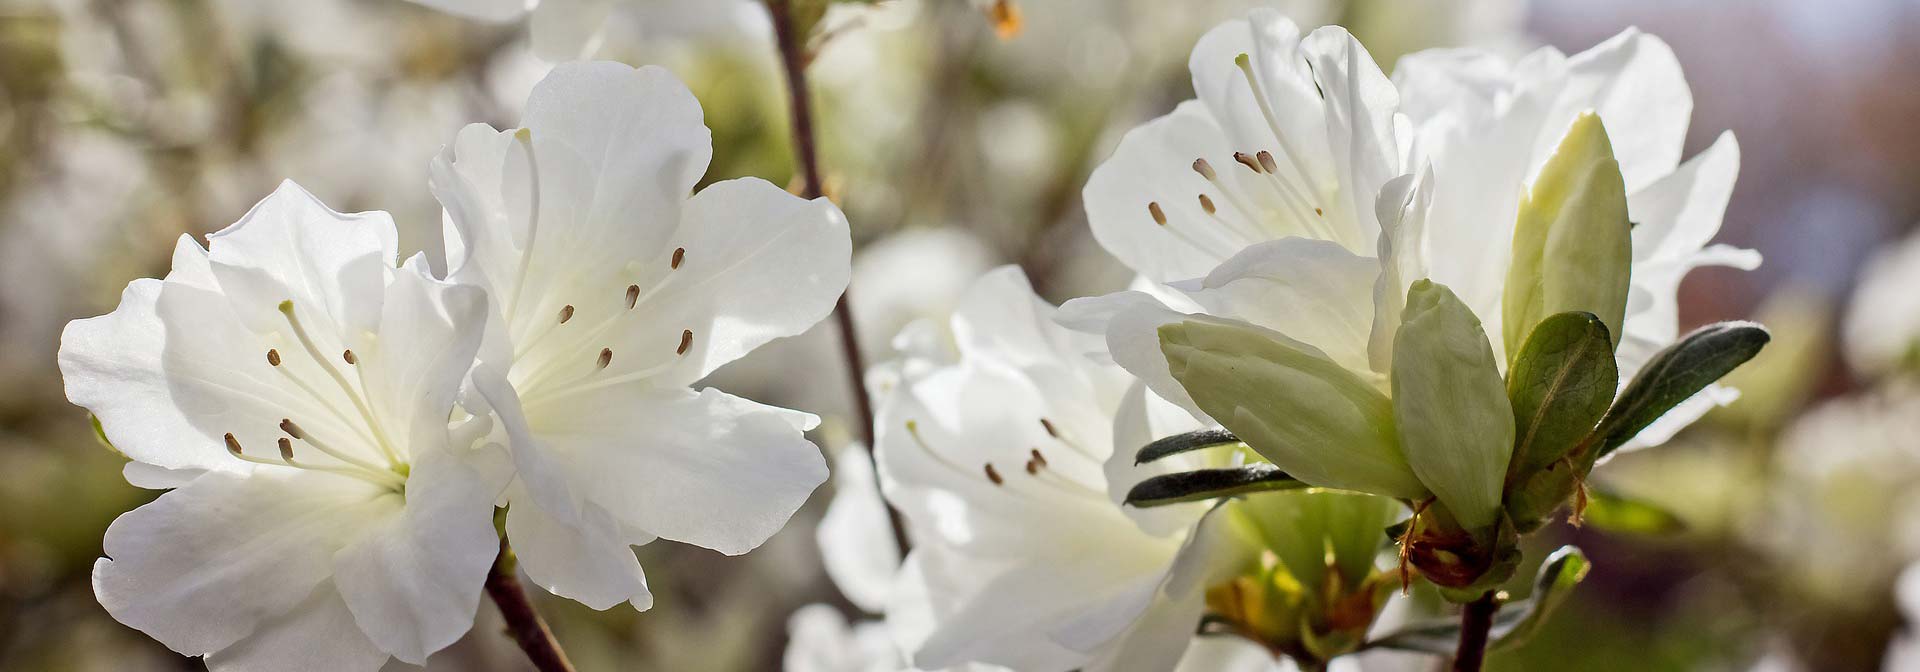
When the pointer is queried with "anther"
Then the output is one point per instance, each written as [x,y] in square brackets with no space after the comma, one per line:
[1266,161]
[679,255]
[566,313]
[1159,216]
[686,341]
[1050,430]
[1318,212]
[1033,469]
[994,474]
[286,450]
[233,445]
[349,356]
[293,430]
[1247,160]
[606,357]
[1037,457]
[1204,169]
[1206,204]
[273,356]
[633,295]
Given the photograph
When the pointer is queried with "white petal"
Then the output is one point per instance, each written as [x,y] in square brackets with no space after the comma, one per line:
[705,468]
[203,566]
[1154,166]
[1143,417]
[1312,290]
[589,563]
[1634,82]
[568,30]
[488,10]
[143,475]
[292,247]
[319,634]
[1360,107]
[413,580]
[855,538]
[1674,219]
[760,264]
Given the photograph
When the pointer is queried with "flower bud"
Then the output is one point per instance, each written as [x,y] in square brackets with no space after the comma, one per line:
[1450,404]
[1571,243]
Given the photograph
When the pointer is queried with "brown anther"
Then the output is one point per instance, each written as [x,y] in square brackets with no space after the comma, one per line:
[293,430]
[606,357]
[1247,160]
[1266,161]
[679,255]
[349,356]
[286,449]
[994,474]
[566,313]
[233,444]
[1048,424]
[1206,204]
[633,295]
[1204,169]
[1033,469]
[686,341]
[1159,216]
[1037,457]
[1318,212]
[273,356]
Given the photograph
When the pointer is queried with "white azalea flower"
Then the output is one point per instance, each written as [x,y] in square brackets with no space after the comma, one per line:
[616,292]
[564,30]
[294,388]
[1882,327]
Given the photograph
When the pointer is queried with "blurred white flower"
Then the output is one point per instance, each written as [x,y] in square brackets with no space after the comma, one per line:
[616,292]
[1882,328]
[1904,652]
[1845,512]
[564,30]
[294,388]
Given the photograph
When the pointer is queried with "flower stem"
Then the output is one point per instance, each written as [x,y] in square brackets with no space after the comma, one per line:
[523,622]
[794,59]
[1476,622]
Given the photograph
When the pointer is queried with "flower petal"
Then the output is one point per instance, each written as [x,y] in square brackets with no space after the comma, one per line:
[319,634]
[1154,168]
[590,563]
[1312,290]
[855,545]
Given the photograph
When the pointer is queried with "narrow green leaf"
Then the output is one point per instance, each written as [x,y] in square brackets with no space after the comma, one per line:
[1560,385]
[1562,571]
[1676,373]
[1180,443]
[1614,512]
[1202,484]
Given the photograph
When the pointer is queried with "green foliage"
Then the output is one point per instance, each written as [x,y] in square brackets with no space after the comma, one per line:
[1204,484]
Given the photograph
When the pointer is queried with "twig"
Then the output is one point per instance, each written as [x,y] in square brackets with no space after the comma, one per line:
[1476,622]
[794,59]
[523,622]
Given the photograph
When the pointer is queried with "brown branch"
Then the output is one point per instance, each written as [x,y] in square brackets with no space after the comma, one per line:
[523,622]
[794,59]
[1476,623]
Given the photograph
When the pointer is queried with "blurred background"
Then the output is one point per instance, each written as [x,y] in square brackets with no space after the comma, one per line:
[956,143]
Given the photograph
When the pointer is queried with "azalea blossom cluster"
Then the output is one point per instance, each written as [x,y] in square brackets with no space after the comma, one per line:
[336,421]
[1381,327]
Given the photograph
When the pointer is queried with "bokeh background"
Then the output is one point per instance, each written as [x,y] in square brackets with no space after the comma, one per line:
[124,123]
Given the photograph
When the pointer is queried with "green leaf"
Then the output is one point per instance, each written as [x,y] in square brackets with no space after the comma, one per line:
[1572,246]
[1614,512]
[1455,423]
[1441,638]
[1180,443]
[1320,422]
[1203,484]
[100,434]
[1676,373]
[1561,385]
[1562,571]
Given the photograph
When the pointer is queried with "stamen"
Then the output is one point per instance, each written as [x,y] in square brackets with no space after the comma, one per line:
[686,341]
[606,357]
[1266,110]
[293,430]
[1266,161]
[1247,160]
[1206,204]
[286,449]
[566,313]
[349,356]
[1032,468]
[525,140]
[633,295]
[994,475]
[233,445]
[679,255]
[1037,457]
[1048,424]
[1204,169]
[273,356]
[359,404]
[1159,216]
